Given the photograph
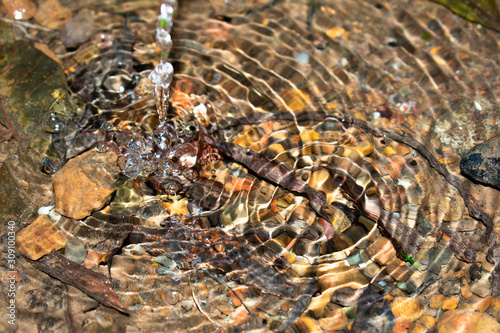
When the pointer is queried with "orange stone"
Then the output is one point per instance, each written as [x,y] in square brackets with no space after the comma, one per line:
[466,293]
[458,321]
[85,183]
[406,307]
[436,301]
[450,303]
[308,324]
[239,316]
[39,238]
[483,304]
[427,321]
[402,325]
[337,321]
[418,328]
[495,303]
[18,9]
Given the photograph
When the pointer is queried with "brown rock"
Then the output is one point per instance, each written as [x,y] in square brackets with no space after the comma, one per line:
[18,9]
[39,238]
[381,251]
[406,307]
[418,328]
[396,271]
[484,304]
[495,303]
[336,321]
[402,325]
[52,14]
[450,303]
[308,324]
[436,301]
[427,321]
[85,183]
[467,321]
[482,288]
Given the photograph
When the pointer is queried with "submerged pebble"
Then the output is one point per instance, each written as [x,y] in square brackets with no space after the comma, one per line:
[18,9]
[482,163]
[74,250]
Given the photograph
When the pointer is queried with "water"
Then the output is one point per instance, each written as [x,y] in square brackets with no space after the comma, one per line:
[163,73]
[222,241]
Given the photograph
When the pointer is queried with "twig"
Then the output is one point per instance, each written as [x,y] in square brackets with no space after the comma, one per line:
[198,304]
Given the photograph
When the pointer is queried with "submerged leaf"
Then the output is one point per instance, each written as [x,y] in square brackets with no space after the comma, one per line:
[485,12]
[34,94]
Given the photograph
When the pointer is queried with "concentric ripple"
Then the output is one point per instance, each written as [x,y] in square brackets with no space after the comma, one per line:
[219,244]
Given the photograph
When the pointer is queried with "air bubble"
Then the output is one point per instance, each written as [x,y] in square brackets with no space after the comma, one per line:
[101,147]
[53,122]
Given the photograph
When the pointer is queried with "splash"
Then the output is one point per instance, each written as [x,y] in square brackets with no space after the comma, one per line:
[162,75]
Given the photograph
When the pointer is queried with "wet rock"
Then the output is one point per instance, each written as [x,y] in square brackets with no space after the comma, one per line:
[449,287]
[336,321]
[85,183]
[482,287]
[466,321]
[173,297]
[427,321]
[308,324]
[78,29]
[374,314]
[482,163]
[39,238]
[483,304]
[436,301]
[450,303]
[409,308]
[74,250]
[18,9]
[52,14]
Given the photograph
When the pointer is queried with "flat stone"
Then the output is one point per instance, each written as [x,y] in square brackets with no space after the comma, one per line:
[482,288]
[450,303]
[427,321]
[406,307]
[85,183]
[308,324]
[482,163]
[483,304]
[39,238]
[336,321]
[466,321]
[449,287]
[79,28]
[74,250]
[436,301]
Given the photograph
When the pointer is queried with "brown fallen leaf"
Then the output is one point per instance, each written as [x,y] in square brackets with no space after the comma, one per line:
[95,285]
